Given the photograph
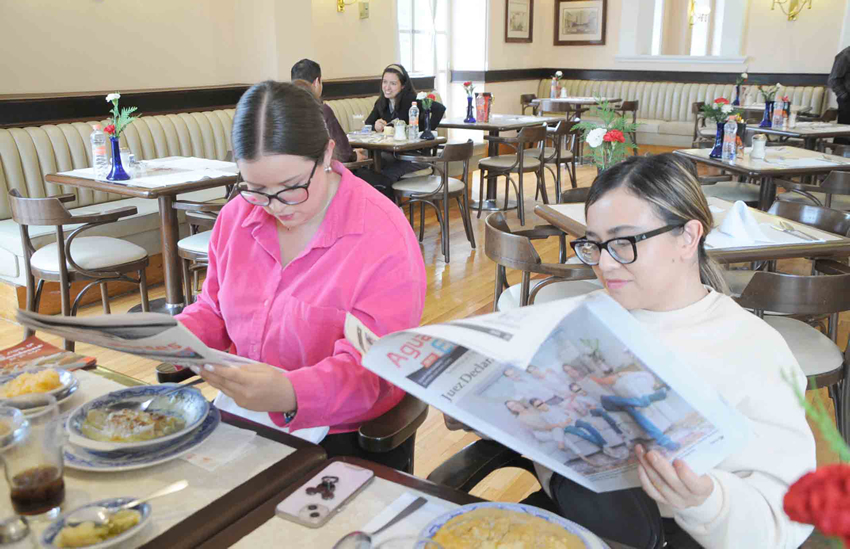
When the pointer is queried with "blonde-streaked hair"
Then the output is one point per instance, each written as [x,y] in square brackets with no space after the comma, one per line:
[671,185]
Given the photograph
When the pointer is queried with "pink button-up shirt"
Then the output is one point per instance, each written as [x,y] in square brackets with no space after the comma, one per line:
[364,259]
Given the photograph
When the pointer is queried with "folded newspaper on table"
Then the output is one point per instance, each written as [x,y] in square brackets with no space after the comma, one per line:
[151,335]
[572,384]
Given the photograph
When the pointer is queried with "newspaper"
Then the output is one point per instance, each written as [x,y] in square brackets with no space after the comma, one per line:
[572,384]
[151,335]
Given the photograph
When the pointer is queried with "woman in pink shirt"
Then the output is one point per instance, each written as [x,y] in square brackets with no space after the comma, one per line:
[304,244]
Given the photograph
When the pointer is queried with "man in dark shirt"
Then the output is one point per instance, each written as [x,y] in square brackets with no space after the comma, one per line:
[839,82]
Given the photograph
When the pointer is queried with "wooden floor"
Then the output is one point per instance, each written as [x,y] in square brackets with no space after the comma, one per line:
[456,290]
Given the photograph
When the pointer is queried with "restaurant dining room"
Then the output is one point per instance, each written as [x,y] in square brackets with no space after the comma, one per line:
[615,236]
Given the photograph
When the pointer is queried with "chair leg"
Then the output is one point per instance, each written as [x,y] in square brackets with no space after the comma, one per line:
[187,280]
[444,228]
[143,289]
[541,186]
[410,208]
[481,179]
[421,221]
[38,291]
[467,222]
[104,297]
[498,289]
[507,190]
[520,201]
[32,301]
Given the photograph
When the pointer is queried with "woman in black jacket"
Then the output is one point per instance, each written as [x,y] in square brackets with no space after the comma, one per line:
[398,94]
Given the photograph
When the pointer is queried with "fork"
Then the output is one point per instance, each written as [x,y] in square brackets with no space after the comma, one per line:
[790,229]
[145,404]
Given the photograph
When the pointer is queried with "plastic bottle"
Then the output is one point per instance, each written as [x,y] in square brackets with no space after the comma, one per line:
[100,160]
[730,138]
[413,124]
[553,88]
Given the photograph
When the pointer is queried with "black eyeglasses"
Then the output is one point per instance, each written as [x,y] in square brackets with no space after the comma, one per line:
[290,196]
[622,249]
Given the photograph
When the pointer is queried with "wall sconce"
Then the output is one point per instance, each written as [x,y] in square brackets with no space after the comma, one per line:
[698,13]
[340,4]
[794,7]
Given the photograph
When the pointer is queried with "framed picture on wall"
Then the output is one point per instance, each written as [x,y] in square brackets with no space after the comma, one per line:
[519,20]
[580,22]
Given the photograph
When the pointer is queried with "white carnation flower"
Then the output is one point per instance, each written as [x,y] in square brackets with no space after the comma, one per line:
[559,74]
[113,97]
[594,137]
[744,75]
[421,95]
[726,109]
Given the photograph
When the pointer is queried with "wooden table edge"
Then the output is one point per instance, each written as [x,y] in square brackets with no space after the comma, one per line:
[209,520]
[266,511]
[401,146]
[140,192]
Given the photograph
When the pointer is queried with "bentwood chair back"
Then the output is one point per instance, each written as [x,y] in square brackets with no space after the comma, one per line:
[562,152]
[821,359]
[95,260]
[825,219]
[833,192]
[514,250]
[437,190]
[525,101]
[528,141]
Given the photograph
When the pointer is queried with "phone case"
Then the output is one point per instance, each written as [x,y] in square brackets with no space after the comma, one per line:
[308,507]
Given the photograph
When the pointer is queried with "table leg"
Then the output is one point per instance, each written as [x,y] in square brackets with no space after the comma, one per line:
[169,226]
[489,204]
[767,193]
[378,161]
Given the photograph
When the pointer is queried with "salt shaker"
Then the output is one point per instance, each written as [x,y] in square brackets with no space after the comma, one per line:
[759,144]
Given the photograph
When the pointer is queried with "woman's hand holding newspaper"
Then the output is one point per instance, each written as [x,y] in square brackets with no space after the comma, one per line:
[257,387]
[673,484]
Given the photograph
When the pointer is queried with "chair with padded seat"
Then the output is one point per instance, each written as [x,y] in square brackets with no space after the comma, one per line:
[96,260]
[531,161]
[194,249]
[437,191]
[525,102]
[509,249]
[833,192]
[819,355]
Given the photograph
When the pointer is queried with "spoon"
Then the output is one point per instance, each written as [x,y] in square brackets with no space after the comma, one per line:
[363,540]
[100,515]
[143,406]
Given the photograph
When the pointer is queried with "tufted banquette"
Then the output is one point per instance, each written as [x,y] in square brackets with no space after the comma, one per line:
[665,107]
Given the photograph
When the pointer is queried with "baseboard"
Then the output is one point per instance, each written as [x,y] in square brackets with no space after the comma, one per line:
[13,297]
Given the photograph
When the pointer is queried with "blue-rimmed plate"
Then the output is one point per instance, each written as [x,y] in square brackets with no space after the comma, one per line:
[69,386]
[50,533]
[189,404]
[127,460]
[590,540]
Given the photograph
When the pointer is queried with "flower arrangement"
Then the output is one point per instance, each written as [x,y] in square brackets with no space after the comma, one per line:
[785,99]
[469,88]
[822,498]
[557,76]
[120,118]
[720,110]
[769,93]
[426,99]
[742,78]
[608,142]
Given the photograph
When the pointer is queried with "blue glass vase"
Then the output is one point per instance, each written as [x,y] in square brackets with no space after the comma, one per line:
[117,172]
[426,119]
[470,118]
[717,151]
[768,115]
[737,100]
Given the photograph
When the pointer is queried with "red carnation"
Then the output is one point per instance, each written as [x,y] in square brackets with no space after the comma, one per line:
[614,135]
[822,498]
[110,129]
[721,101]
[432,97]
[467,84]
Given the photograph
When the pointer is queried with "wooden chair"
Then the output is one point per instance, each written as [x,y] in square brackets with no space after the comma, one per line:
[395,427]
[437,190]
[525,101]
[94,259]
[703,135]
[505,165]
[193,249]
[562,152]
[829,115]
[818,355]
[833,192]
[508,249]
[630,107]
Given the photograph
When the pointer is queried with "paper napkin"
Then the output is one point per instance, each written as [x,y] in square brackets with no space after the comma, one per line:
[410,526]
[742,226]
[224,402]
[224,445]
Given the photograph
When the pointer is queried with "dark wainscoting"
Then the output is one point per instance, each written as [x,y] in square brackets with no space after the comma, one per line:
[38,109]
[512,75]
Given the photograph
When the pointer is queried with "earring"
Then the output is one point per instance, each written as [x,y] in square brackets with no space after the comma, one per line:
[327,169]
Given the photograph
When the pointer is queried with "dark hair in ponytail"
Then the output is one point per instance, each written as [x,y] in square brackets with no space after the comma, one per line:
[672,187]
[278,118]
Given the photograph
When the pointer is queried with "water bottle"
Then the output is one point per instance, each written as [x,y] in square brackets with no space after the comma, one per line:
[553,89]
[730,141]
[776,121]
[413,124]
[100,160]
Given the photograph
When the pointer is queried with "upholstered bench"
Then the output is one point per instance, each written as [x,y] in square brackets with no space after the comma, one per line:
[665,111]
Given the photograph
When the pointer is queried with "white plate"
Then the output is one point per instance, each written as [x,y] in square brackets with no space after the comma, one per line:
[69,386]
[52,531]
[591,541]
[113,462]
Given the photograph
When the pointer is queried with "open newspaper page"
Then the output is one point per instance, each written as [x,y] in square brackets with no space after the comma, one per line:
[597,384]
[151,335]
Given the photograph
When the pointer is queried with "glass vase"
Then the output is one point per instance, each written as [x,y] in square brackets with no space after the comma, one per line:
[768,115]
[717,151]
[117,172]
[470,118]
[737,100]
[426,119]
